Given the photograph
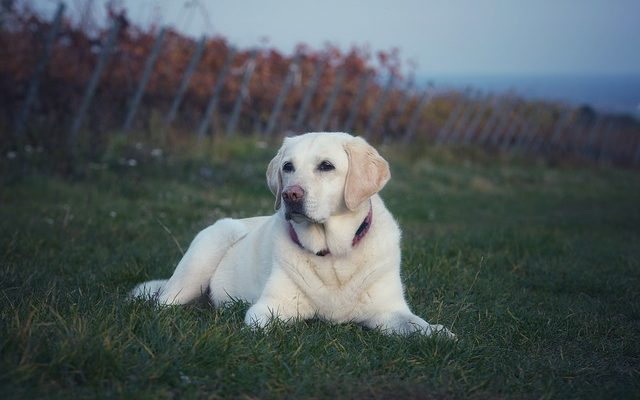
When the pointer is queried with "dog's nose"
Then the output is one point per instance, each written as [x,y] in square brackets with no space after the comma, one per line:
[293,194]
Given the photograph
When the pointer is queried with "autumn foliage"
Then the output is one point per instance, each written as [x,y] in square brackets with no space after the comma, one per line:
[75,56]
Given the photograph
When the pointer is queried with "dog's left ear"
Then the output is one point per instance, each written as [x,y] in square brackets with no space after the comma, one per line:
[274,177]
[367,175]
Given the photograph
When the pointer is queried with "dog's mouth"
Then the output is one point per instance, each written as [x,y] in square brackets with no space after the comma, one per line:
[299,217]
[296,216]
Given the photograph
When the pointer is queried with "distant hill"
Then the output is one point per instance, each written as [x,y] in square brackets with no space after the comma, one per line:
[612,93]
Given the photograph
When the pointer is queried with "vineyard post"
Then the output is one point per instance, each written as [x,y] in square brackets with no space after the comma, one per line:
[538,141]
[626,145]
[243,93]
[516,128]
[146,74]
[377,108]
[308,95]
[630,145]
[32,91]
[353,112]
[623,146]
[184,83]
[529,129]
[557,129]
[490,125]
[215,94]
[605,141]
[487,101]
[591,138]
[474,103]
[282,96]
[415,116]
[609,141]
[534,126]
[331,101]
[576,138]
[572,140]
[402,106]
[103,58]
[636,158]
[453,118]
[504,123]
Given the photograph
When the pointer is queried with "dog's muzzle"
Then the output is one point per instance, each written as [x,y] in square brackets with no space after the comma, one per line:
[293,197]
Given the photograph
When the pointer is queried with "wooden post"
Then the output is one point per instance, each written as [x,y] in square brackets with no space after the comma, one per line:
[561,124]
[34,84]
[473,105]
[487,101]
[377,108]
[503,123]
[308,95]
[282,96]
[355,106]
[490,125]
[497,122]
[636,158]
[409,133]
[454,116]
[243,93]
[184,83]
[518,126]
[402,106]
[532,129]
[591,138]
[572,142]
[333,96]
[146,74]
[215,94]
[604,142]
[103,58]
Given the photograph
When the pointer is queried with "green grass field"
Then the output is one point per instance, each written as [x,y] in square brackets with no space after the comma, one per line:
[536,269]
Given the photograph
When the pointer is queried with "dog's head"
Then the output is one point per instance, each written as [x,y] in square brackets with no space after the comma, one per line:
[318,175]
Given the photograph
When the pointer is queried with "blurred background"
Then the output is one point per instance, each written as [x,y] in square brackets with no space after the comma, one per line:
[551,79]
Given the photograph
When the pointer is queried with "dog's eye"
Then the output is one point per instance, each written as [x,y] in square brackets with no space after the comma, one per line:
[325,166]
[288,167]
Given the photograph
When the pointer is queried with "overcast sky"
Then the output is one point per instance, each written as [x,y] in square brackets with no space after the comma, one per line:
[442,37]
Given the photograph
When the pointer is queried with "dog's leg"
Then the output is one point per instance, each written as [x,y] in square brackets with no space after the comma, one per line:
[281,300]
[199,263]
[389,312]
[404,322]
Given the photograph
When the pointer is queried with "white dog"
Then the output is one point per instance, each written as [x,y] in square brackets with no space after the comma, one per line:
[332,251]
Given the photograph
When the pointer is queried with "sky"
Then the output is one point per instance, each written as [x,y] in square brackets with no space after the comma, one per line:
[464,37]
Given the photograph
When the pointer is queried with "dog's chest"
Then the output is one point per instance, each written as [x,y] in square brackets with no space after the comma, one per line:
[328,272]
[336,287]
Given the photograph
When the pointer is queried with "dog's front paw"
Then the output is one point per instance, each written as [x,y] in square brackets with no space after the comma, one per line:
[259,316]
[406,324]
[440,331]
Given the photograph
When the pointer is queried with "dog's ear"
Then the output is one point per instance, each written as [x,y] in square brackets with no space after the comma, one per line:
[367,175]
[274,177]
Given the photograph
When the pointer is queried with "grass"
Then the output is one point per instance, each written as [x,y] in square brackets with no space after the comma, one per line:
[537,270]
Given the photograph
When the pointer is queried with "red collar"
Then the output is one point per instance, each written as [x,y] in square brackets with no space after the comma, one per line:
[359,235]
